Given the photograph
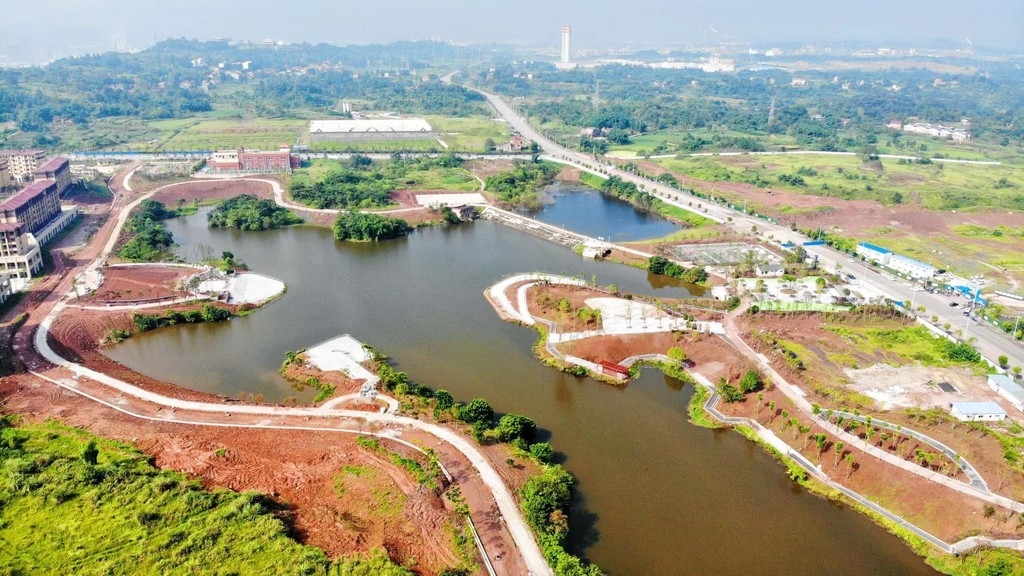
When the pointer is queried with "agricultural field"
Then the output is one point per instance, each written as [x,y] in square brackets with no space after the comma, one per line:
[469,134]
[424,145]
[933,186]
[226,133]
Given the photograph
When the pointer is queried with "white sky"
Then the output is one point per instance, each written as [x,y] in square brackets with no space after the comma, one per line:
[101,24]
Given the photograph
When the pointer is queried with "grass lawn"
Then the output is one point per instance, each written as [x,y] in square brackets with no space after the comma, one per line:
[114,513]
[226,133]
[934,186]
[454,179]
[469,134]
[901,345]
[424,145]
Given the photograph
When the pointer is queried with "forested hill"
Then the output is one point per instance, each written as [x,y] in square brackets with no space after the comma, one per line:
[183,78]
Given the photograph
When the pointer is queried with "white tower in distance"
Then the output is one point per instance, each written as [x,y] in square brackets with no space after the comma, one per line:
[566,43]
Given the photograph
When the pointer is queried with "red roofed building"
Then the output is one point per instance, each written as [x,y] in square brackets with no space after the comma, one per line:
[33,207]
[29,219]
[243,160]
[58,170]
[614,370]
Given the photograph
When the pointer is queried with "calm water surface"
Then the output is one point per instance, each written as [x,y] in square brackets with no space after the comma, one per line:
[585,210]
[656,495]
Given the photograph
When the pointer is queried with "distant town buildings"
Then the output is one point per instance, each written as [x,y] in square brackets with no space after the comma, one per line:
[22,163]
[712,64]
[954,133]
[242,160]
[365,129]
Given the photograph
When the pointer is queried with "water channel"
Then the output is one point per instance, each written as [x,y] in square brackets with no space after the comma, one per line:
[656,495]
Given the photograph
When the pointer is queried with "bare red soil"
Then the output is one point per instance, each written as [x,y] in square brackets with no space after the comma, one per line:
[205,190]
[138,284]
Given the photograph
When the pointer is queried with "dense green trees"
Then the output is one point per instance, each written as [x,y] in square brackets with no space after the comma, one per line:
[478,411]
[662,265]
[518,187]
[359,226]
[344,187]
[148,240]
[247,212]
[513,427]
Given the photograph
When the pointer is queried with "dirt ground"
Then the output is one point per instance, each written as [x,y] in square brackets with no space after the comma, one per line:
[135,284]
[858,218]
[203,190]
[484,168]
[897,387]
[901,382]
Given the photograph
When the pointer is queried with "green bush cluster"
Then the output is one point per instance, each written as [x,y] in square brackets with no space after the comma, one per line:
[148,240]
[247,212]
[662,265]
[518,187]
[208,313]
[358,226]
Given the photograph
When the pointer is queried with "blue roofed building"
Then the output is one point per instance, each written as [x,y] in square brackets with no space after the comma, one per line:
[911,267]
[873,253]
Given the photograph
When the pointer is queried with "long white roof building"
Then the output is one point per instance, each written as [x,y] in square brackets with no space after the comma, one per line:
[369,126]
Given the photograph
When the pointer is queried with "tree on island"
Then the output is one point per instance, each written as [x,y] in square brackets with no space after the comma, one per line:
[358,226]
[247,212]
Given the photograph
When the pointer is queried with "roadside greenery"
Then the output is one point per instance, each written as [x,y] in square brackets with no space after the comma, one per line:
[362,227]
[247,212]
[148,240]
[106,509]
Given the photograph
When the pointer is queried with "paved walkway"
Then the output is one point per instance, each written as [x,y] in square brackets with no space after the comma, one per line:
[972,473]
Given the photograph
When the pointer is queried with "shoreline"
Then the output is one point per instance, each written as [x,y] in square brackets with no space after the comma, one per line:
[935,551]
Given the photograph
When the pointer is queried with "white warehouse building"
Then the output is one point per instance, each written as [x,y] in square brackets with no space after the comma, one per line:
[911,267]
[977,411]
[1007,388]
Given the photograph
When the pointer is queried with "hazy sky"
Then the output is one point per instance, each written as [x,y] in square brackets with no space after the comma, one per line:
[100,24]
